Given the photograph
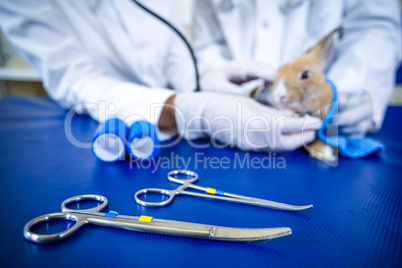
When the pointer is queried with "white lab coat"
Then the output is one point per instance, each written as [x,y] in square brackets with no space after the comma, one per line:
[111,56]
[365,55]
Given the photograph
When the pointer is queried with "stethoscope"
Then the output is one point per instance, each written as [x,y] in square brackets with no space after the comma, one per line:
[190,49]
[225,6]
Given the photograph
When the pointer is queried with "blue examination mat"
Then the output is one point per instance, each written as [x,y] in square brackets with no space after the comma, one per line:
[355,221]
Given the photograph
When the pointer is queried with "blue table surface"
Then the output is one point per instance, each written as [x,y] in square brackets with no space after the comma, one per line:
[356,219]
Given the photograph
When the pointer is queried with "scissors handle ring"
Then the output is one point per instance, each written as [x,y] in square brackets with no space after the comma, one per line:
[171,194]
[193,176]
[51,238]
[78,198]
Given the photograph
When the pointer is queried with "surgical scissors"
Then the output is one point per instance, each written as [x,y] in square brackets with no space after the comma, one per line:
[212,194]
[141,224]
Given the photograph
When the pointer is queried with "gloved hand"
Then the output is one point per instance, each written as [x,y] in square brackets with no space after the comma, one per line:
[229,77]
[355,115]
[242,122]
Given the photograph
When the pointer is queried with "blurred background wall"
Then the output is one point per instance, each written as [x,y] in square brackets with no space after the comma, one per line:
[17,78]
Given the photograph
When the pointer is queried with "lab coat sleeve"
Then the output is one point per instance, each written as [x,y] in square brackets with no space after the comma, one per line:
[69,75]
[179,66]
[369,51]
[209,41]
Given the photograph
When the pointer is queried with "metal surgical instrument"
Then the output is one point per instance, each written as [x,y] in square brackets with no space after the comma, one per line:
[211,194]
[141,224]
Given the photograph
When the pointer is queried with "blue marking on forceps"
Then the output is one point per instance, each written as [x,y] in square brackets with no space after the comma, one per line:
[111,214]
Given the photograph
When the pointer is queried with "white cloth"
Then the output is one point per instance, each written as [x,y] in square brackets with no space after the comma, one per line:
[365,56]
[108,56]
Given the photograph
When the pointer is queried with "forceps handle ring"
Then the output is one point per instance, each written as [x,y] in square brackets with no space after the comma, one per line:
[193,176]
[168,193]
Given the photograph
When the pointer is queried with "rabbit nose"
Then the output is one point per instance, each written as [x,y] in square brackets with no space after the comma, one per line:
[283,99]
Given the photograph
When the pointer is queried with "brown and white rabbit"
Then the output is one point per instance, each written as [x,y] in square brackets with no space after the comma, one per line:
[300,86]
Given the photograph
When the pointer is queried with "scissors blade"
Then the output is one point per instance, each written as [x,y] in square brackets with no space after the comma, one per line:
[192,230]
[239,234]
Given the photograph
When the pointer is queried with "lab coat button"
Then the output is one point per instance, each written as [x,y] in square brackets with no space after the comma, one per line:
[227,5]
[265,24]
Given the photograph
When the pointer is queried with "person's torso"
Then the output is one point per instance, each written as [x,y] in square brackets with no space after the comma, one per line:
[122,38]
[274,32]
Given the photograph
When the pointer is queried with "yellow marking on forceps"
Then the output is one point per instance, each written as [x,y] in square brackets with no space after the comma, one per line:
[146,218]
[214,191]
[211,190]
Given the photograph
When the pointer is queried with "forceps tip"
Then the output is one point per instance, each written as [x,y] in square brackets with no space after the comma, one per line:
[292,208]
[303,207]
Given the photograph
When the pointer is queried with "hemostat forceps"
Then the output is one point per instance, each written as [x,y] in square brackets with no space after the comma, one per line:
[211,194]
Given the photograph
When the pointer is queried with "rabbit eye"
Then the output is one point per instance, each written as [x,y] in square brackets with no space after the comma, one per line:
[305,75]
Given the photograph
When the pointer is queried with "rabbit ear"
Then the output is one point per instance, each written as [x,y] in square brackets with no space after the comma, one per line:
[322,51]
